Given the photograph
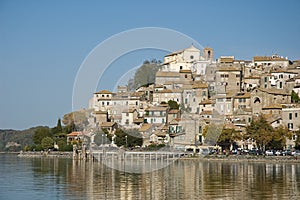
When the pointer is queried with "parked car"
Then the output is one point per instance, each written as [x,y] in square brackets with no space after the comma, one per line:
[234,151]
[296,153]
[278,153]
[269,153]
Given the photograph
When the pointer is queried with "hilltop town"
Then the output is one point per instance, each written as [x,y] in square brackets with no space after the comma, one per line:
[205,91]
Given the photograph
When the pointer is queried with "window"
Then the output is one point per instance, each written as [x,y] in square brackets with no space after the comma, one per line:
[107,103]
[192,57]
[290,116]
[280,84]
[185,76]
[290,125]
[204,93]
[296,115]
[200,138]
[200,129]
[161,113]
[257,100]
[107,95]
[102,95]
[180,67]
[266,79]
[163,121]
[237,75]
[102,103]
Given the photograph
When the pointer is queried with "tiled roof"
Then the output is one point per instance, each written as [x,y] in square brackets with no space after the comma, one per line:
[104,92]
[185,71]
[268,58]
[273,106]
[107,124]
[156,108]
[242,96]
[205,102]
[173,111]
[145,127]
[206,112]
[75,133]
[274,91]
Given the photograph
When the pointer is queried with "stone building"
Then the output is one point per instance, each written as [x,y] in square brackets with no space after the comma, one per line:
[261,98]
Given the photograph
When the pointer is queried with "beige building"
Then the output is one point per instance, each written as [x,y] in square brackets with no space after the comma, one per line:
[230,78]
[261,98]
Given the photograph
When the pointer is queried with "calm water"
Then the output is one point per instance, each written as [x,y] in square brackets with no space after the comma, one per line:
[54,178]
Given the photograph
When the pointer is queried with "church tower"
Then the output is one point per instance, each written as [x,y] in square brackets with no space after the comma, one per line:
[208,53]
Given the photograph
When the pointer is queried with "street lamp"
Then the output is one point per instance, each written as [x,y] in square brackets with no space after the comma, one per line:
[126,140]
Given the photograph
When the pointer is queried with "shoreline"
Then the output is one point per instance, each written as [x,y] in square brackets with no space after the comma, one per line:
[218,158]
[247,158]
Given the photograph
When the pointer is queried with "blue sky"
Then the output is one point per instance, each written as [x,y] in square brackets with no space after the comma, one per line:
[43,43]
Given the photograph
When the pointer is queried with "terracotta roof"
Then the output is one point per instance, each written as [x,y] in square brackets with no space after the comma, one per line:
[107,124]
[175,121]
[103,92]
[139,120]
[185,71]
[145,127]
[274,91]
[128,110]
[206,112]
[205,102]
[242,96]
[173,111]
[273,106]
[75,133]
[160,133]
[200,85]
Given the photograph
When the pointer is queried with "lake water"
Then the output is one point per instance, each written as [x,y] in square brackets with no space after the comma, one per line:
[59,178]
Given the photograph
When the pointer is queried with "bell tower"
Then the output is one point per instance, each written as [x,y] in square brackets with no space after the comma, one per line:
[208,53]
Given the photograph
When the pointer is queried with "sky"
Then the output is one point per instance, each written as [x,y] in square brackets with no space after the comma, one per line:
[44,43]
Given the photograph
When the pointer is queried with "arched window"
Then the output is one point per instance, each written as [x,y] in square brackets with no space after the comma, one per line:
[256,100]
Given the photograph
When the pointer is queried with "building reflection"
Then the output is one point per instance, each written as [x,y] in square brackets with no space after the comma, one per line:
[183,179]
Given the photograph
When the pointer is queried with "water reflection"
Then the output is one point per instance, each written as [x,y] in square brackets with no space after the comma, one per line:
[188,179]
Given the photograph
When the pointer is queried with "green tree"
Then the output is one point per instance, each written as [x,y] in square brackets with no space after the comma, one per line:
[212,133]
[40,134]
[228,137]
[173,104]
[297,142]
[261,131]
[134,138]
[76,118]
[279,138]
[145,74]
[47,143]
[295,97]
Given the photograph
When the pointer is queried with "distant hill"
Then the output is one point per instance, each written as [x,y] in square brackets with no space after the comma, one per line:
[15,140]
